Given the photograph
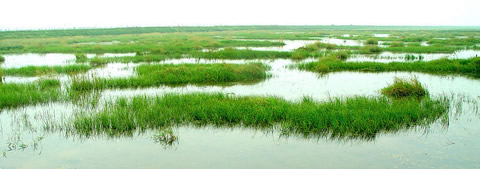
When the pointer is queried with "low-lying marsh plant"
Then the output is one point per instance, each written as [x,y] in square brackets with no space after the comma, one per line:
[97,61]
[42,70]
[80,57]
[371,41]
[342,55]
[2,59]
[396,44]
[231,53]
[332,64]
[177,74]
[370,49]
[165,137]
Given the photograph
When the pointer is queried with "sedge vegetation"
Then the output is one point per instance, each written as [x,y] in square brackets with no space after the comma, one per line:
[42,70]
[18,94]
[356,117]
[171,74]
[402,88]
[442,66]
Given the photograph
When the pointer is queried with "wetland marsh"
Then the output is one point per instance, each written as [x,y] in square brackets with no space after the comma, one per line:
[246,96]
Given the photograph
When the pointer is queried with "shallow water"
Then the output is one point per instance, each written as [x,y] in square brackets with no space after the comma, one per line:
[342,42]
[110,55]
[452,146]
[290,45]
[424,44]
[36,59]
[379,35]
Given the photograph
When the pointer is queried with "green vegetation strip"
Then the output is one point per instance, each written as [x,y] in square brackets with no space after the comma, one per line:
[41,70]
[349,117]
[42,91]
[229,53]
[153,75]
[332,64]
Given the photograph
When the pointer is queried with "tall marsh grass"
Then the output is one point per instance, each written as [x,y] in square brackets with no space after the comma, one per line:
[357,117]
[18,94]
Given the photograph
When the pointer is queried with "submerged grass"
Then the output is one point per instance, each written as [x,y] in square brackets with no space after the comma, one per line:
[332,64]
[356,117]
[42,70]
[41,91]
[171,74]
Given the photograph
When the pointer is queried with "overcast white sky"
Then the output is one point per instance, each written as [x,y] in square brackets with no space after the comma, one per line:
[47,14]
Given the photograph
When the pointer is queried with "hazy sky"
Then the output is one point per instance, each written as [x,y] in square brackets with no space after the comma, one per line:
[47,14]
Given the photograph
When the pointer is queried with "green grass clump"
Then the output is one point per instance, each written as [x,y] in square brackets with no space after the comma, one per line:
[80,57]
[230,53]
[370,49]
[41,91]
[402,88]
[97,61]
[2,59]
[332,64]
[355,117]
[476,62]
[342,55]
[397,44]
[371,41]
[317,46]
[171,74]
[300,54]
[42,70]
